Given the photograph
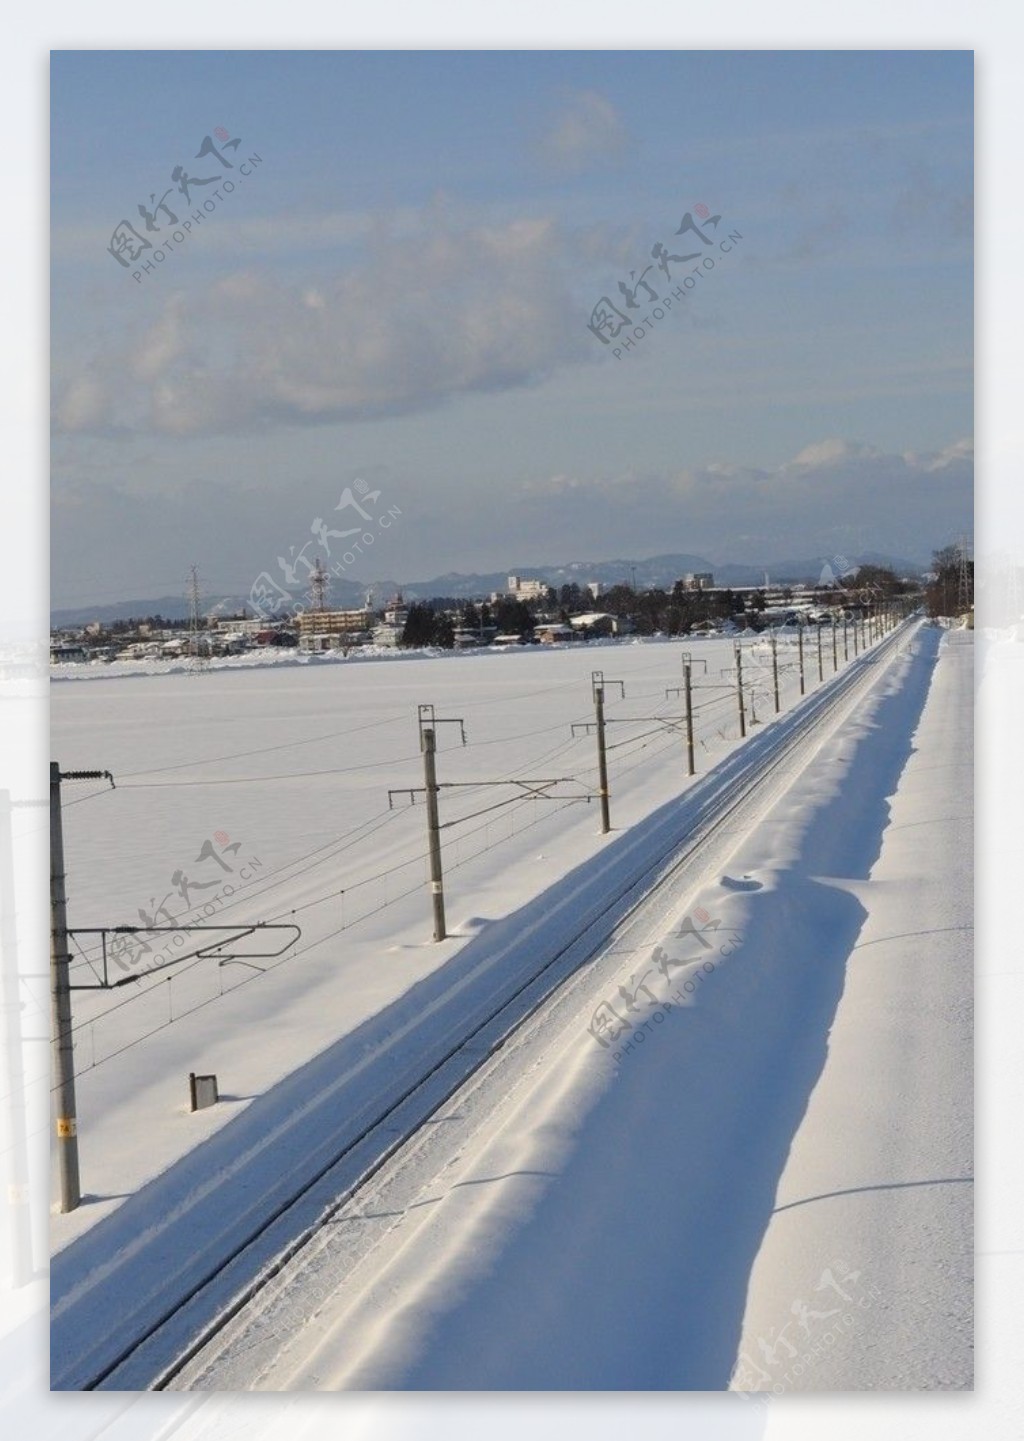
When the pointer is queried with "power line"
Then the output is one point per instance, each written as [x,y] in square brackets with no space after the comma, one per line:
[262,884]
[130,784]
[263,750]
[255,780]
[511,808]
[645,743]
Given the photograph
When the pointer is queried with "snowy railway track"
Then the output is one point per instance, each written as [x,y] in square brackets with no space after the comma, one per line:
[747,781]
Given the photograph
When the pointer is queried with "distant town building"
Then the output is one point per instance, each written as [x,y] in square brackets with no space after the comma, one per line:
[392,627]
[243,627]
[552,632]
[698,580]
[331,629]
[600,623]
[68,652]
[520,589]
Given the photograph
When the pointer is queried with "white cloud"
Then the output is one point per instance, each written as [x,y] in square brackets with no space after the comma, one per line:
[831,452]
[139,533]
[835,497]
[450,309]
[84,404]
[951,455]
[587,131]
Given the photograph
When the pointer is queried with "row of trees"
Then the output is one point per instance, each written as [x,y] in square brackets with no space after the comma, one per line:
[426,626]
[430,622]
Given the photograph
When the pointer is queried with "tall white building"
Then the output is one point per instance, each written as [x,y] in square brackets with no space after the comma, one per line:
[521,589]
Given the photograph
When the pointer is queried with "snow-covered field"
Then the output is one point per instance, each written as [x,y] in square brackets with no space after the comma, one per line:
[673,1151]
[292,764]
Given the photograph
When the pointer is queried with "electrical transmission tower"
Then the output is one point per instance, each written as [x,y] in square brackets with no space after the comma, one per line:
[197,659]
[964,579]
[318,583]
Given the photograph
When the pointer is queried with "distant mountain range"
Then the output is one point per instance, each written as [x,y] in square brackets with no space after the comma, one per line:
[656,571]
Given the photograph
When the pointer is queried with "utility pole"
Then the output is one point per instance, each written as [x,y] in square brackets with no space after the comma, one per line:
[60,994]
[821,667]
[428,723]
[739,690]
[835,649]
[428,745]
[687,691]
[602,760]
[800,644]
[688,694]
[535,789]
[775,671]
[846,640]
[598,685]
[60,999]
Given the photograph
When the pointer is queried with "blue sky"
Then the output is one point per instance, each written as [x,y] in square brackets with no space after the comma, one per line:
[399,293]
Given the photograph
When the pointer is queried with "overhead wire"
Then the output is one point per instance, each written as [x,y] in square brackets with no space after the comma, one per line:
[258,885]
[329,850]
[262,750]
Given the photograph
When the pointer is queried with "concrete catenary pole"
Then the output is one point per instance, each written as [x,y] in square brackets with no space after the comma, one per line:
[602,760]
[429,747]
[60,997]
[739,690]
[800,646]
[775,672]
[688,692]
